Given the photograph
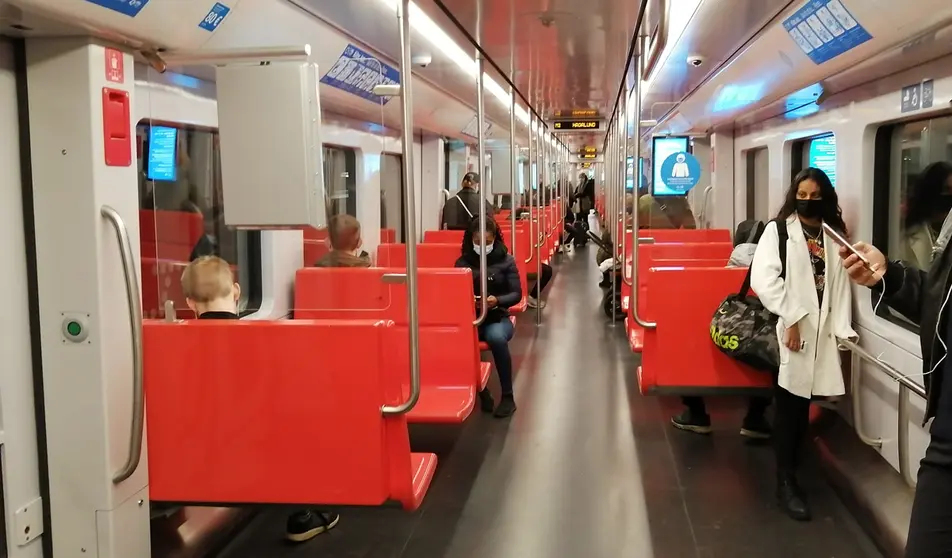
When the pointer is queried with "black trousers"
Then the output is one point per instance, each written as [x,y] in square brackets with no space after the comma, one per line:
[930,527]
[791,421]
[542,281]
[755,408]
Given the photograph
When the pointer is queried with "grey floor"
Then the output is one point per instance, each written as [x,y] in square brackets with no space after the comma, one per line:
[586,468]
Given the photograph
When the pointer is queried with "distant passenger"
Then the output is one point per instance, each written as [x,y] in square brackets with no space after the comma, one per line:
[344,233]
[503,289]
[809,351]
[585,194]
[929,203]
[462,208]
[212,293]
[695,417]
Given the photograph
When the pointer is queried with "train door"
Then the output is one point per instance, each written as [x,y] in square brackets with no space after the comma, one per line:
[21,505]
[393,213]
[758,184]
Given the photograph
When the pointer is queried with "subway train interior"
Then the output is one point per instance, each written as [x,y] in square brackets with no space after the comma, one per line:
[376,397]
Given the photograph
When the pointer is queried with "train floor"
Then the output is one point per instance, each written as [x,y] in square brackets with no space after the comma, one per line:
[586,468]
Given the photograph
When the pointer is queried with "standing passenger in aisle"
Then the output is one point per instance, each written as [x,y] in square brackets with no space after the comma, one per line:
[503,289]
[922,297]
[459,210]
[212,293]
[814,309]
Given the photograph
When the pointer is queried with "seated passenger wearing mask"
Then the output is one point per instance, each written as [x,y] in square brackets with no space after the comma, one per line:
[503,289]
[212,293]
[344,234]
[695,417]
[459,210]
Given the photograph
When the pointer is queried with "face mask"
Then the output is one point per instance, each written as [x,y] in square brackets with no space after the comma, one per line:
[477,247]
[811,209]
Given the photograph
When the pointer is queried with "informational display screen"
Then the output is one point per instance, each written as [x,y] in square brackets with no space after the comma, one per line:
[630,179]
[577,124]
[162,161]
[822,155]
[662,148]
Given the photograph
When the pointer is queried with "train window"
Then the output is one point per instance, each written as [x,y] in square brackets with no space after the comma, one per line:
[392,210]
[340,180]
[455,163]
[758,184]
[182,217]
[908,212]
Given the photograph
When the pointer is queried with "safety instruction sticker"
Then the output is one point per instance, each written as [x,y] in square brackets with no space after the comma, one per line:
[215,16]
[358,72]
[825,29]
[130,8]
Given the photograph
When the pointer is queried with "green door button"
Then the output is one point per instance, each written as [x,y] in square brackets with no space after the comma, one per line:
[74,328]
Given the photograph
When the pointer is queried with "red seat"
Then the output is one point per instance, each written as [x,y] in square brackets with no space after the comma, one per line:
[287,412]
[314,250]
[443,237]
[449,361]
[679,357]
[685,235]
[169,235]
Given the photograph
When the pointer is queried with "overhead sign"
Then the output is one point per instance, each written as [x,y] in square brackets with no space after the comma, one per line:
[588,149]
[587,155]
[358,72]
[130,8]
[577,124]
[215,16]
[918,96]
[577,113]
[825,29]
[680,172]
[586,165]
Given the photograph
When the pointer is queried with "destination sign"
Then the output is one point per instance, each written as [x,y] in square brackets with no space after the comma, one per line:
[586,165]
[587,156]
[588,149]
[577,113]
[577,124]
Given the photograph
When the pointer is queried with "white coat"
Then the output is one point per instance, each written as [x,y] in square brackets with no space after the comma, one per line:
[814,370]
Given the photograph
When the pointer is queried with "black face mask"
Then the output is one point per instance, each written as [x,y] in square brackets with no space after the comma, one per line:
[811,209]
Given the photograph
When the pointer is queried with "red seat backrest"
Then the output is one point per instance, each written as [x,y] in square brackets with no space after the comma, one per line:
[169,235]
[235,407]
[314,250]
[428,255]
[679,352]
[448,340]
[388,235]
[443,237]
[686,235]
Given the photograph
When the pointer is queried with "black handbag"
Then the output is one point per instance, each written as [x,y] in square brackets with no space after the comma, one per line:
[743,329]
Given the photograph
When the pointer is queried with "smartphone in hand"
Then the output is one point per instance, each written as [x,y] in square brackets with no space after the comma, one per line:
[839,239]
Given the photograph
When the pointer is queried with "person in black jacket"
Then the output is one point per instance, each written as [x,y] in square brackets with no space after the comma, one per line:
[922,297]
[459,210]
[503,289]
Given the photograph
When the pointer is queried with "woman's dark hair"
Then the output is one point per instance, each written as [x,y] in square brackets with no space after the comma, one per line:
[832,214]
[473,229]
[929,187]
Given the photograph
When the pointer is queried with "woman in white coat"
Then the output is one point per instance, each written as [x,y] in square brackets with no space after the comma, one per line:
[814,309]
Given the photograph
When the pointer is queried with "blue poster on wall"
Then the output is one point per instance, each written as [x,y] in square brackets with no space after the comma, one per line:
[130,8]
[825,29]
[679,173]
[357,72]
[823,156]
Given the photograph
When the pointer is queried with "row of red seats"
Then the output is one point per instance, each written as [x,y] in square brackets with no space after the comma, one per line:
[682,279]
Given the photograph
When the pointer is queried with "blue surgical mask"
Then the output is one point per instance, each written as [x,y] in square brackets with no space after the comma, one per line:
[477,248]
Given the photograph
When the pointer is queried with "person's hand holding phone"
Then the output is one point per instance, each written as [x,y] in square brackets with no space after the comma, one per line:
[491,301]
[792,338]
[857,269]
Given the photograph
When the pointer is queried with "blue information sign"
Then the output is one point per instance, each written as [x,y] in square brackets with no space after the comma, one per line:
[214,17]
[823,156]
[161,162]
[679,173]
[130,8]
[825,29]
[357,72]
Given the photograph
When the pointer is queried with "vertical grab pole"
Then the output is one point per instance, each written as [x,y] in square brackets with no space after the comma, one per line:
[413,303]
[633,300]
[481,135]
[529,186]
[612,220]
[512,169]
[540,198]
[624,188]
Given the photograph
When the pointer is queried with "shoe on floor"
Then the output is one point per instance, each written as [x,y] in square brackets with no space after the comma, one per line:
[486,403]
[790,498]
[756,428]
[534,303]
[507,406]
[687,421]
[305,525]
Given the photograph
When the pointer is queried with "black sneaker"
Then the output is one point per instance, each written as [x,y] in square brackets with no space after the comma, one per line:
[687,421]
[756,428]
[507,406]
[486,403]
[790,498]
[305,525]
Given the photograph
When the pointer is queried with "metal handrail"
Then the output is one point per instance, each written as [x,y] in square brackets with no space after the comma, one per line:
[512,170]
[633,298]
[529,186]
[905,387]
[413,310]
[540,155]
[136,430]
[483,282]
[624,179]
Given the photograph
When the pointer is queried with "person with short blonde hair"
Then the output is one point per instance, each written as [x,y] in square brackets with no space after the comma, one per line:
[344,234]
[209,286]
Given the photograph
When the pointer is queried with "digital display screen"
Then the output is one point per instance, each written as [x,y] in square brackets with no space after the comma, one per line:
[662,148]
[162,161]
[822,155]
[577,113]
[577,124]
[588,156]
[630,178]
